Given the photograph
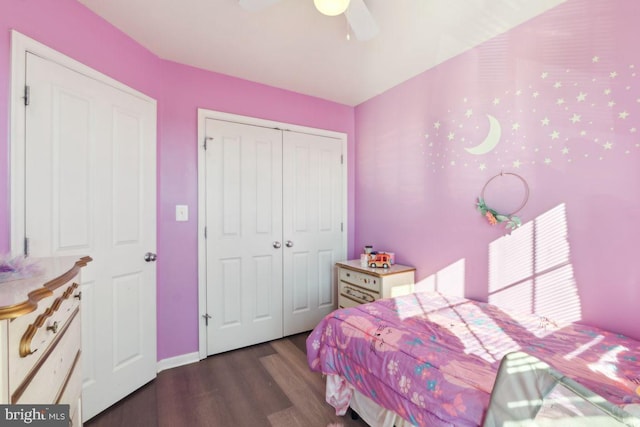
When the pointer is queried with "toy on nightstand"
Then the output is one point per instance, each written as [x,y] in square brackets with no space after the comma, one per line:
[375,259]
[379,260]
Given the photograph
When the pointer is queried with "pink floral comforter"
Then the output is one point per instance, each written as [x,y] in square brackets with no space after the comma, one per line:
[433,359]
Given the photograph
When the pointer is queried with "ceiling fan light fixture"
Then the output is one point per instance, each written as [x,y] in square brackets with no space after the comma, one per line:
[331,7]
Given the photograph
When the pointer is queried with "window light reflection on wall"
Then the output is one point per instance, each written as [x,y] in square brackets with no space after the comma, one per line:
[530,269]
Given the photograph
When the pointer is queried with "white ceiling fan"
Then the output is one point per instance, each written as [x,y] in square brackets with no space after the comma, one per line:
[360,20]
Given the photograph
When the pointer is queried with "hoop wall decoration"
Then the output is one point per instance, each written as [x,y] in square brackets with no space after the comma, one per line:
[512,221]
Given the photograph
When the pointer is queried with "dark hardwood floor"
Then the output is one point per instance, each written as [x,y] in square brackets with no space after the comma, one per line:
[267,384]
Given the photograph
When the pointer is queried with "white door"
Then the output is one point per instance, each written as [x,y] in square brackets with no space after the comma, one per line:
[274,213]
[313,229]
[90,190]
[243,170]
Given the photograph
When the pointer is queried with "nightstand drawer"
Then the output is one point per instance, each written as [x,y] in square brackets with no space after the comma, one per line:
[361,285]
[357,294]
[359,279]
[344,302]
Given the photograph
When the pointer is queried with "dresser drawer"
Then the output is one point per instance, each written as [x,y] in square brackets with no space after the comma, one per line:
[30,336]
[40,331]
[47,382]
[72,392]
[360,279]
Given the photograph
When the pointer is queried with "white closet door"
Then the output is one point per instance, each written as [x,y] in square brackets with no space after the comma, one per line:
[244,234]
[90,190]
[313,236]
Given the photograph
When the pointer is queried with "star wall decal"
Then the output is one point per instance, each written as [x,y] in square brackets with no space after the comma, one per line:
[575,109]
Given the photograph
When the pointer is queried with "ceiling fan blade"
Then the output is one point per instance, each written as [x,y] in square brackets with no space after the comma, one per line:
[361,21]
[256,5]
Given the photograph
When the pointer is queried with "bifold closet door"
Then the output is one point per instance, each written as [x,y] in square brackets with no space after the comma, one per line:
[274,215]
[244,234]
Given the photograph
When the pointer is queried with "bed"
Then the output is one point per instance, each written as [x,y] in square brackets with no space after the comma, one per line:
[429,359]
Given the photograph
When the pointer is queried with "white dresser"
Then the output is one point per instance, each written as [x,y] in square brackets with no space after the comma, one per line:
[358,285]
[40,324]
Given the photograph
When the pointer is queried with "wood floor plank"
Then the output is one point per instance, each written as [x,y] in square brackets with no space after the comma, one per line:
[290,417]
[240,392]
[298,391]
[267,384]
[120,414]
[298,362]
[300,340]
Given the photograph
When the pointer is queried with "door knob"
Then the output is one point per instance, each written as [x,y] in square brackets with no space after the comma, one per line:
[289,243]
[150,257]
[277,245]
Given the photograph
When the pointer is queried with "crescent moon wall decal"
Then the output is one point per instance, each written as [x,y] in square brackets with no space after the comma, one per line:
[492,139]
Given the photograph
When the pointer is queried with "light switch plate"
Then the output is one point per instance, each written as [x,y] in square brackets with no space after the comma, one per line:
[182,213]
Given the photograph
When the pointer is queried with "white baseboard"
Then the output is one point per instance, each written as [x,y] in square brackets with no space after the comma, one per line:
[174,362]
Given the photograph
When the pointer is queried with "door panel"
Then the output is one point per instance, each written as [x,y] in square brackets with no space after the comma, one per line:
[90,190]
[128,168]
[57,173]
[128,329]
[312,218]
[244,219]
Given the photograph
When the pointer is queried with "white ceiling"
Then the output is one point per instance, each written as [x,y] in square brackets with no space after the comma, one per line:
[292,46]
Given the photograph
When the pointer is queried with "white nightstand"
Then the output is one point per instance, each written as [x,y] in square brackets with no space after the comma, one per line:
[358,285]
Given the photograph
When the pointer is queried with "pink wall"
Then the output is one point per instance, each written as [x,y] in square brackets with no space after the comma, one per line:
[427,183]
[70,28]
[565,90]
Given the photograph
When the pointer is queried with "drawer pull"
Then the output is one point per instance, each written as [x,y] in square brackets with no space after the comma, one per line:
[53,328]
[31,352]
[27,337]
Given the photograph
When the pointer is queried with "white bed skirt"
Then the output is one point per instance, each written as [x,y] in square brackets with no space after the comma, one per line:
[340,394]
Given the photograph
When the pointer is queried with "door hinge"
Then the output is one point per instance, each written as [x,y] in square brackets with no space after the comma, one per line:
[342,159]
[206,138]
[27,94]
[206,319]
[342,226]
[205,232]
[26,247]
